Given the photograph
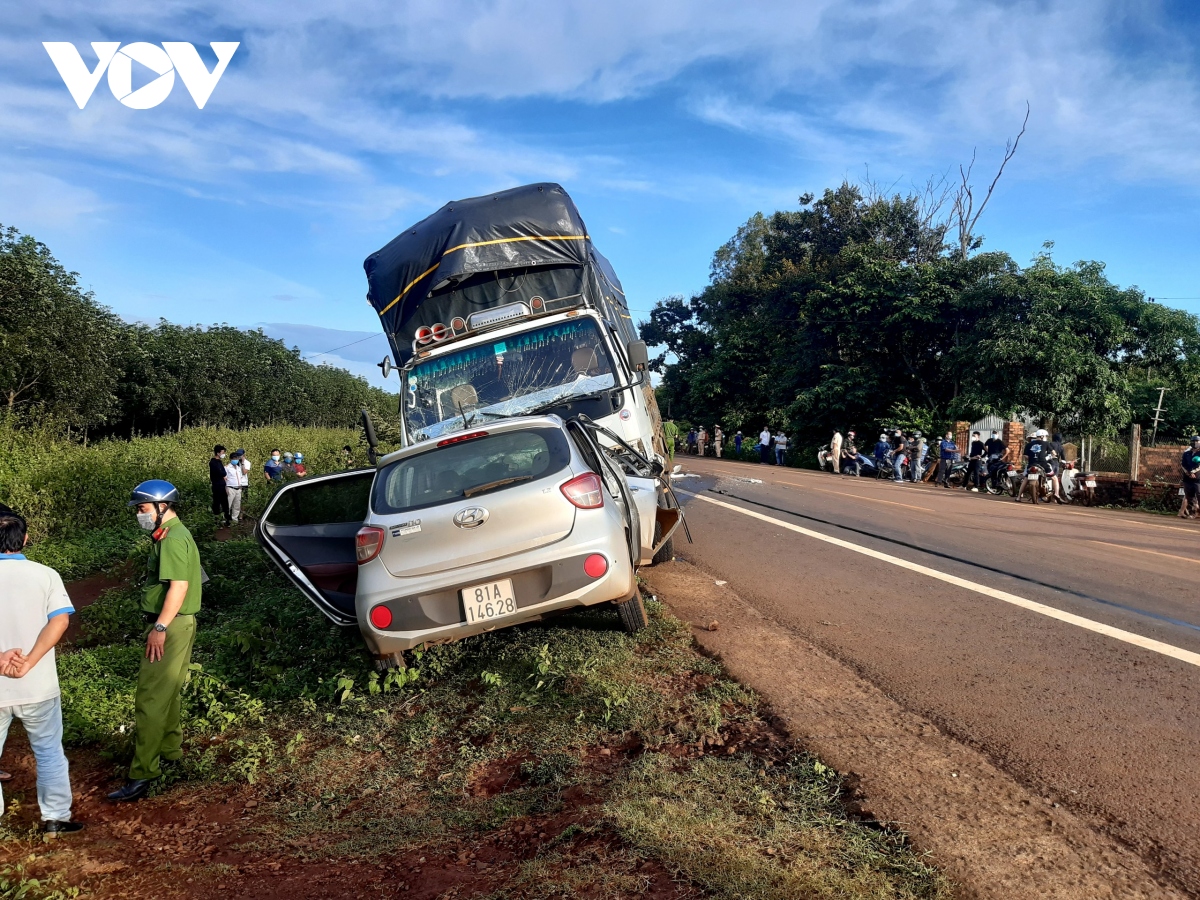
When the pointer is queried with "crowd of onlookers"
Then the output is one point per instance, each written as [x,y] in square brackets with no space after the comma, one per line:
[229,476]
[771,448]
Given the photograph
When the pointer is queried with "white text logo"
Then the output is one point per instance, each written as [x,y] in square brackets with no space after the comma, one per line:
[164,62]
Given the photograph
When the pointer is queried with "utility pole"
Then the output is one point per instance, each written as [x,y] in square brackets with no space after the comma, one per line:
[1157,416]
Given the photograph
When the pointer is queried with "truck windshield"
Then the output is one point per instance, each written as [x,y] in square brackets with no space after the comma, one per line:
[510,376]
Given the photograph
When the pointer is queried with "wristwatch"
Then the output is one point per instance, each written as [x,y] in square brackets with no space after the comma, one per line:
[160,627]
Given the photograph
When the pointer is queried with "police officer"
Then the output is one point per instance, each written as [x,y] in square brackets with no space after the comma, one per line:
[170,601]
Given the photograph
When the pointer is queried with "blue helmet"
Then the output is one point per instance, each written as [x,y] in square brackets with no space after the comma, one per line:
[299,457]
[154,491]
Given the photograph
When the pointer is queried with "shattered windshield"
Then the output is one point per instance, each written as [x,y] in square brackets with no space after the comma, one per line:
[510,376]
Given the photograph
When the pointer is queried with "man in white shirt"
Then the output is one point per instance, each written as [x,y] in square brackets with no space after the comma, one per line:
[781,448]
[34,613]
[764,445]
[235,478]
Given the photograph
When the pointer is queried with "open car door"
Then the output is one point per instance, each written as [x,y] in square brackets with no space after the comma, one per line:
[308,529]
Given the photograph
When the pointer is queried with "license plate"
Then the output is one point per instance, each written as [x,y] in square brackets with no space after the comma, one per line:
[1091,483]
[1033,476]
[493,600]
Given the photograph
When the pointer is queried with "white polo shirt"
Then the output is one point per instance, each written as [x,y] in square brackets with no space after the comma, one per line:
[30,595]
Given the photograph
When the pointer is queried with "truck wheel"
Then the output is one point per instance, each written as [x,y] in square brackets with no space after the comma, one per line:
[667,551]
[633,613]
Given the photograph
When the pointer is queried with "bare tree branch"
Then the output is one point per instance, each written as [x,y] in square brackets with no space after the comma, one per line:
[964,214]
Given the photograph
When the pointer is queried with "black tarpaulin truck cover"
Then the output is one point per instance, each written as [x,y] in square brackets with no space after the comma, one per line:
[487,251]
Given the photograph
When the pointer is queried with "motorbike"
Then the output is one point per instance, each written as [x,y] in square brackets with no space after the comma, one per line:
[1040,483]
[999,477]
[1077,486]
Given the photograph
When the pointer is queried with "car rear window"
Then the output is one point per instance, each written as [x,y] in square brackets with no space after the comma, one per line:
[472,468]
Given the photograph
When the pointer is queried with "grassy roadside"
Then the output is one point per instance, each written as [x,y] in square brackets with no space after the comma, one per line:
[541,761]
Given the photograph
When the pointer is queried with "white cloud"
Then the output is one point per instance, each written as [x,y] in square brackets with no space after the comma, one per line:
[32,200]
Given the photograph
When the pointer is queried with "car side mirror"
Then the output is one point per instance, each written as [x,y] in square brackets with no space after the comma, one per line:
[639,356]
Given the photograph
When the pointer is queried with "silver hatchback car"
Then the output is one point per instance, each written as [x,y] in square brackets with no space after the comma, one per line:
[481,530]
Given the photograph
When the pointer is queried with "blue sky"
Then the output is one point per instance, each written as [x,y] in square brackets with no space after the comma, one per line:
[670,123]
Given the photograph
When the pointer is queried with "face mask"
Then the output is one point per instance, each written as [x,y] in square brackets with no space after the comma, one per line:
[222,456]
[275,458]
[146,521]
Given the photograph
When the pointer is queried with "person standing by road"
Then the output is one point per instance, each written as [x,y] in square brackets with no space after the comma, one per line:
[947,454]
[975,457]
[835,452]
[170,601]
[34,613]
[670,435]
[348,454]
[737,444]
[764,446]
[1190,468]
[691,441]
[718,440]
[919,447]
[216,478]
[702,440]
[899,446]
[850,454]
[233,487]
[781,445]
[301,469]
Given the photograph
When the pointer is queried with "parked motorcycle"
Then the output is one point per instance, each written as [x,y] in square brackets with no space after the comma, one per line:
[1077,486]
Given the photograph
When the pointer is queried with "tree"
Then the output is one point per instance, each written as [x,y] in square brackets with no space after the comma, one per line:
[57,345]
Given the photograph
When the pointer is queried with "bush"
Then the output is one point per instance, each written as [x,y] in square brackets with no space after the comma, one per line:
[73,495]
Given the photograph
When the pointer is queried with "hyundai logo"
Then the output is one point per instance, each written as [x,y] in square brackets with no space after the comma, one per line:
[471,517]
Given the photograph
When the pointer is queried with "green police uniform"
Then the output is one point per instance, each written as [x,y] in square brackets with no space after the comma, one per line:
[671,433]
[156,704]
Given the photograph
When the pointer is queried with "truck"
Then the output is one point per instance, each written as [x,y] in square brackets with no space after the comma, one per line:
[501,305]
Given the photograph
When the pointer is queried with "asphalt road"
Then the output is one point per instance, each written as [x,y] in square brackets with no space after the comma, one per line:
[1063,642]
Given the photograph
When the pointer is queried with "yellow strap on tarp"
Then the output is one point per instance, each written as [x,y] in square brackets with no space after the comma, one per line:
[433,268]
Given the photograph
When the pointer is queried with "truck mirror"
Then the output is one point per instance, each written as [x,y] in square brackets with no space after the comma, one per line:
[386,365]
[639,356]
[372,440]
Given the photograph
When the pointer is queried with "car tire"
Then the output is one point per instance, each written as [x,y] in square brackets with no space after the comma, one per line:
[633,613]
[666,552]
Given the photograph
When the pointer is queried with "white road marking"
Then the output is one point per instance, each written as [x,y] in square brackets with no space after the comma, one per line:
[1119,634]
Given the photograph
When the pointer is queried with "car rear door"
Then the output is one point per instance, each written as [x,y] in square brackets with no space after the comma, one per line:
[308,530]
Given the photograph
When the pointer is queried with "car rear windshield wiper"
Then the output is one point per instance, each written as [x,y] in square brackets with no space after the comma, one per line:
[479,489]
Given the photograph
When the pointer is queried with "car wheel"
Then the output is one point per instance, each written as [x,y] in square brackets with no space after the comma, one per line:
[633,613]
[666,552]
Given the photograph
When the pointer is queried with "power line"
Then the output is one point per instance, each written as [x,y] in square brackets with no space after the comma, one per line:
[344,346]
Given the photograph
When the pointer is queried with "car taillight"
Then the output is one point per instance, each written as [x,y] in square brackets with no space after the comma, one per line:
[595,565]
[367,543]
[586,491]
[381,617]
[459,438]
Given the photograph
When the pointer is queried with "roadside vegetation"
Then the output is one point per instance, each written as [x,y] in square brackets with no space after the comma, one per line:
[862,309]
[548,760]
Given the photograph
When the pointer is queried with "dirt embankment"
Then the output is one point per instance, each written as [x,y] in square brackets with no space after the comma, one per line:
[993,836]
